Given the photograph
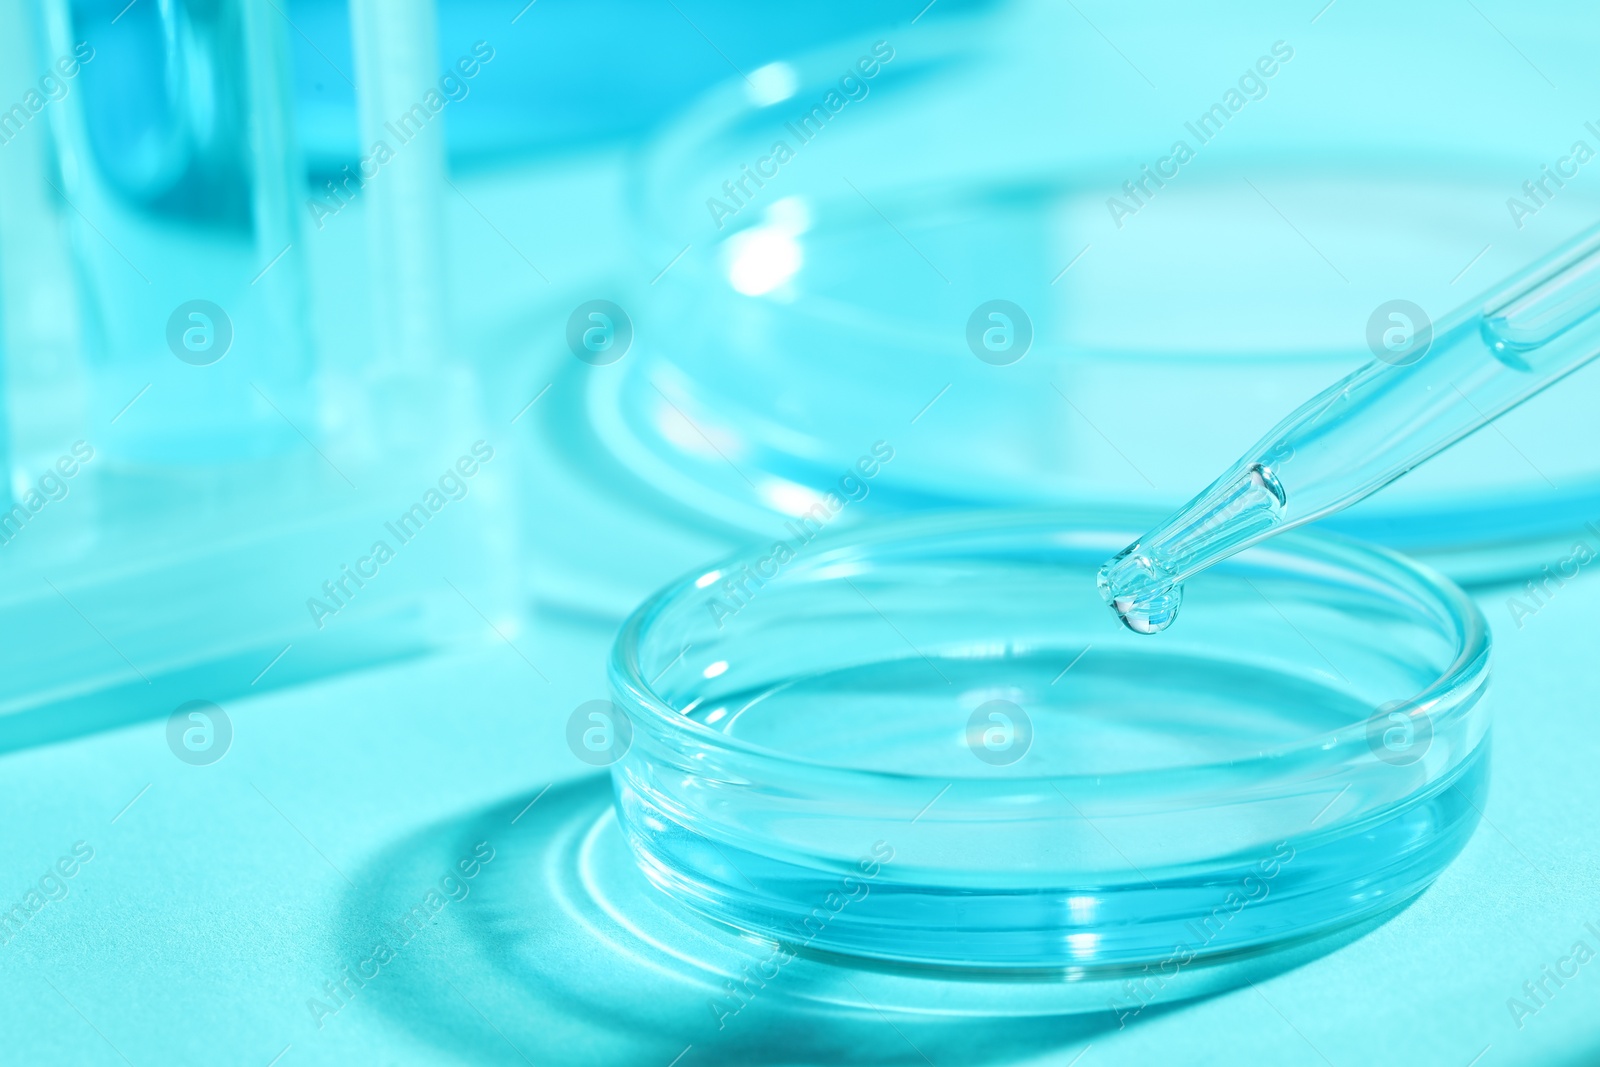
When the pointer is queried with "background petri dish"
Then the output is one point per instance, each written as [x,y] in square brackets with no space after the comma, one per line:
[831,304]
[931,744]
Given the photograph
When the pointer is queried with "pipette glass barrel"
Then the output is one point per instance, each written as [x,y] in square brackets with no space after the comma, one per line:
[1438,385]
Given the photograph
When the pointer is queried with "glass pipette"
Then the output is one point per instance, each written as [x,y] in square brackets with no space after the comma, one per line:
[1429,388]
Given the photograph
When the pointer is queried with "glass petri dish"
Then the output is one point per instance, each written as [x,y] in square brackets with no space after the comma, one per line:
[928,743]
[832,303]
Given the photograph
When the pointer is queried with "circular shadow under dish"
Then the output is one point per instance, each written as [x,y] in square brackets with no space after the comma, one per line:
[557,947]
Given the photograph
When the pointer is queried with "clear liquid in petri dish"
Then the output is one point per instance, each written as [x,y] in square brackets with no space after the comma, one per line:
[1114,711]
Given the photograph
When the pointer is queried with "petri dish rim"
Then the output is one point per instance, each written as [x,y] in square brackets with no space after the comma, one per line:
[1464,679]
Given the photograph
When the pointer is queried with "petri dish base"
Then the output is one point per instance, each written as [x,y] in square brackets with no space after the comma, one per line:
[927,743]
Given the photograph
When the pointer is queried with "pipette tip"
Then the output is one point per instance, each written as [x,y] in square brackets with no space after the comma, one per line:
[1139,592]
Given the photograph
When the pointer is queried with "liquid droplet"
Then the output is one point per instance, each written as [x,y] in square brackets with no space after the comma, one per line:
[1139,592]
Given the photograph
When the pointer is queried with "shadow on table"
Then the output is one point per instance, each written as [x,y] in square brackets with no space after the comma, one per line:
[524,933]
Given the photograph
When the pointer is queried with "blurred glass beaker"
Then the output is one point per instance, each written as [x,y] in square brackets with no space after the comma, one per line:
[178,161]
